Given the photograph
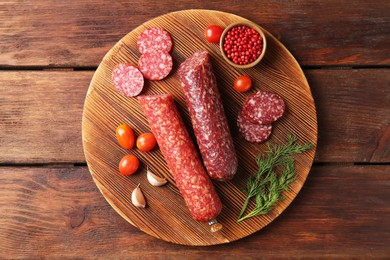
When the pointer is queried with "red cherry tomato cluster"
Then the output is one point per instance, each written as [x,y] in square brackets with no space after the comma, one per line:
[243,45]
[125,137]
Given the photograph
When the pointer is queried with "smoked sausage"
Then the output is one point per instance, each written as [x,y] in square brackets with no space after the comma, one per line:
[207,116]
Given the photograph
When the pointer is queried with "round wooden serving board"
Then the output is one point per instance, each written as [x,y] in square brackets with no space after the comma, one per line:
[166,216]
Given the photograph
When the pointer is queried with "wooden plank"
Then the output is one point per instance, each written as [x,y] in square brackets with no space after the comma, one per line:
[342,211]
[353,111]
[41,112]
[55,33]
[40,119]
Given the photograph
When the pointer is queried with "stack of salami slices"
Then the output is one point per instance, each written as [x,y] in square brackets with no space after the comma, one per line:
[155,62]
[260,110]
[155,45]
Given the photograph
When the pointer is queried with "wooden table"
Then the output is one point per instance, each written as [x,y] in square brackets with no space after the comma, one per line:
[49,205]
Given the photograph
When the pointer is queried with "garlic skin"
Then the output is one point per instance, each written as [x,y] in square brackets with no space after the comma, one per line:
[138,198]
[154,179]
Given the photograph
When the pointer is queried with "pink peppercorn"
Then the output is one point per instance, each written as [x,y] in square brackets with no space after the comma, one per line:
[243,45]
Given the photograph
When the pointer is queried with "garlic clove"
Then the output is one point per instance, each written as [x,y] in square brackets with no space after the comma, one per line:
[154,179]
[137,197]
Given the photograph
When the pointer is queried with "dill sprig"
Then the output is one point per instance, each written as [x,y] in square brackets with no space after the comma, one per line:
[266,186]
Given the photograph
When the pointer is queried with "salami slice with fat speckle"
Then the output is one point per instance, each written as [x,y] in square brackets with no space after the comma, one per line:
[263,107]
[155,65]
[154,39]
[128,80]
[254,133]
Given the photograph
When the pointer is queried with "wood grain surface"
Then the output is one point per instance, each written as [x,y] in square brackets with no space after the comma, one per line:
[167,216]
[49,204]
[59,213]
[79,33]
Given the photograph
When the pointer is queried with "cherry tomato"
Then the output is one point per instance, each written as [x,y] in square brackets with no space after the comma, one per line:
[125,136]
[213,33]
[146,142]
[242,83]
[128,165]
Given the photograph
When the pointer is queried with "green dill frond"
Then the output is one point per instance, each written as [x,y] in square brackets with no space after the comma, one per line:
[266,186]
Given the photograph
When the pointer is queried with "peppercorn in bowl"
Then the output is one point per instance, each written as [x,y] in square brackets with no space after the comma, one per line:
[243,44]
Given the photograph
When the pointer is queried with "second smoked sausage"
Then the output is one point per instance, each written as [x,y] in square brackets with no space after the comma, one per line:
[181,156]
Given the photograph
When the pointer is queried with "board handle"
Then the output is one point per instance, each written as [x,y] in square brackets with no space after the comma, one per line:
[215,226]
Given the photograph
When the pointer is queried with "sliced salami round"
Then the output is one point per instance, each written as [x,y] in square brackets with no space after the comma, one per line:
[154,39]
[253,133]
[155,65]
[263,107]
[128,80]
